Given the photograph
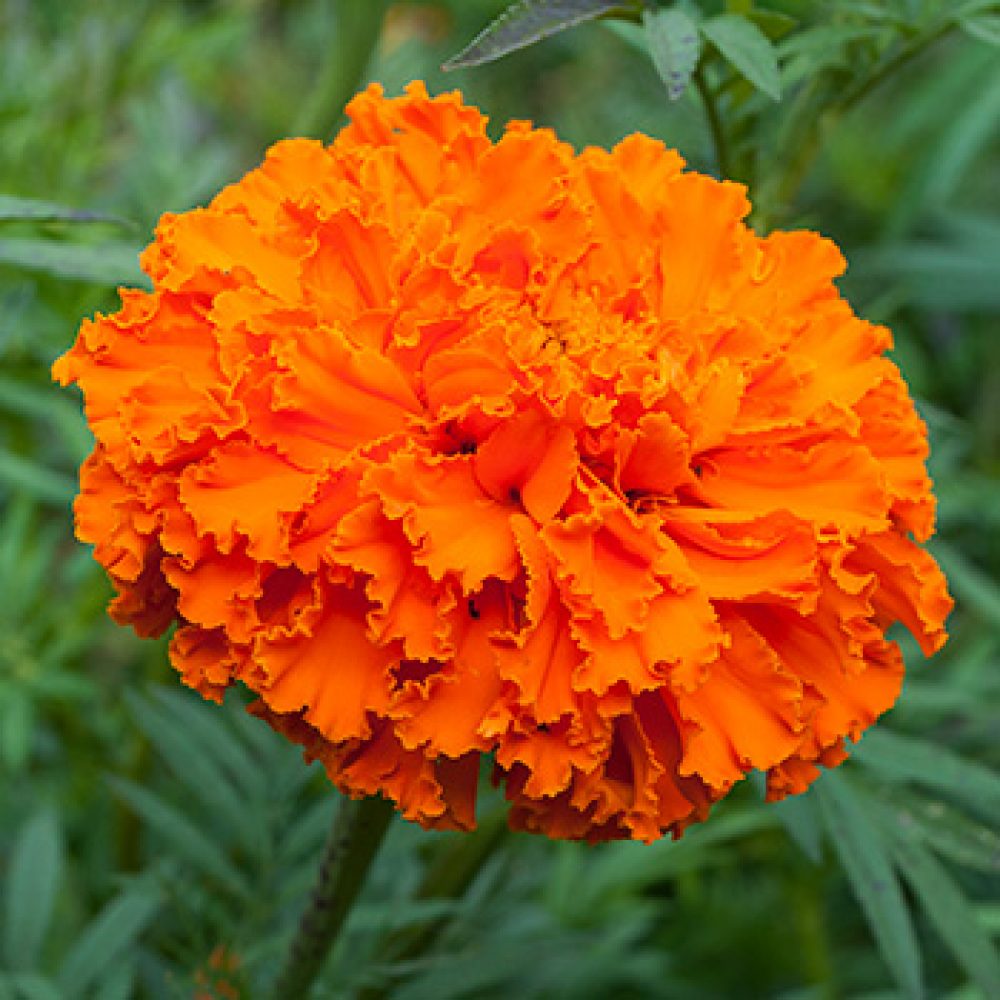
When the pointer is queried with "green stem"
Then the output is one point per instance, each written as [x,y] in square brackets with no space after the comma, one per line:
[358,25]
[715,126]
[358,829]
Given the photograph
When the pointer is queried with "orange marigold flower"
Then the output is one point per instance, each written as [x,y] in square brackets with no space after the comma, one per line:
[447,447]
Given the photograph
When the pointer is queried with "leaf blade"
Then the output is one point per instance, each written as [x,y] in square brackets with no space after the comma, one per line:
[526,22]
[32,884]
[907,758]
[17,209]
[748,49]
[106,937]
[674,46]
[99,264]
[950,913]
[873,881]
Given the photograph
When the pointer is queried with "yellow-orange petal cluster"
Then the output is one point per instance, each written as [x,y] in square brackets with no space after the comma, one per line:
[448,447]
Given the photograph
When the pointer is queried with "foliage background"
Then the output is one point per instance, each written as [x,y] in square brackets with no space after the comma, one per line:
[153,846]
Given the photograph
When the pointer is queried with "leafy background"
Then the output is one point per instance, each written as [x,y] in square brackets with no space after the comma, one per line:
[154,846]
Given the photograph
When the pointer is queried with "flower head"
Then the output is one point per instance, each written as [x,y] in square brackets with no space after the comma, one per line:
[447,447]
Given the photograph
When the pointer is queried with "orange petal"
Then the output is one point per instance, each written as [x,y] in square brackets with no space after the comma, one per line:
[457,528]
[327,668]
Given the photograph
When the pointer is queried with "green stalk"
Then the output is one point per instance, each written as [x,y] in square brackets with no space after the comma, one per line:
[719,140]
[358,25]
[358,829]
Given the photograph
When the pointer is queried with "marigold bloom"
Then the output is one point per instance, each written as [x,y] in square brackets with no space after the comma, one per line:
[447,447]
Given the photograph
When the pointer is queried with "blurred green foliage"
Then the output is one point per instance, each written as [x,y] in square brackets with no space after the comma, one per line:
[154,846]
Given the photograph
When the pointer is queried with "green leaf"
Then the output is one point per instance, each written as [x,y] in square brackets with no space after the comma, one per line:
[798,815]
[29,986]
[529,21]
[674,46]
[975,589]
[39,482]
[181,835]
[950,913]
[17,723]
[106,939]
[773,23]
[948,831]
[99,264]
[14,209]
[32,883]
[866,864]
[180,742]
[985,27]
[744,45]
[907,758]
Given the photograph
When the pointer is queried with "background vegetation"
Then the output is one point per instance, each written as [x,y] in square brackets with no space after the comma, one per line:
[154,846]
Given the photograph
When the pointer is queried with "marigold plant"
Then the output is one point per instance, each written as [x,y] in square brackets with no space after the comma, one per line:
[447,447]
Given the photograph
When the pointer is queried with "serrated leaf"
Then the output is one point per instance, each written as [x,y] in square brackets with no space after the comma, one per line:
[950,913]
[32,883]
[181,835]
[857,843]
[749,50]
[674,46]
[106,938]
[14,209]
[907,758]
[99,264]
[984,27]
[529,21]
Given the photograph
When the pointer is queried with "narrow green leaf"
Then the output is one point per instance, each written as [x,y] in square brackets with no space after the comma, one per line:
[909,759]
[119,981]
[948,831]
[17,723]
[936,275]
[39,482]
[869,871]
[32,884]
[975,589]
[14,209]
[529,21]
[674,46]
[744,45]
[798,815]
[100,264]
[195,766]
[29,986]
[106,939]
[183,837]
[985,27]
[950,913]
[48,403]
[623,867]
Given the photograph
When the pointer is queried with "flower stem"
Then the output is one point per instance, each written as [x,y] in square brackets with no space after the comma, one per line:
[714,122]
[358,829]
